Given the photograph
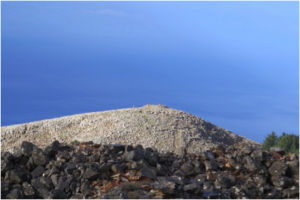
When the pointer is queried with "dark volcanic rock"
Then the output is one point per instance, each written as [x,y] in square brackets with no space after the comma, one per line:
[39,157]
[43,186]
[16,176]
[194,188]
[92,171]
[5,188]
[27,148]
[91,175]
[165,185]
[7,156]
[28,190]
[58,194]
[145,172]
[16,193]
[38,171]
[223,182]
[5,166]
[51,149]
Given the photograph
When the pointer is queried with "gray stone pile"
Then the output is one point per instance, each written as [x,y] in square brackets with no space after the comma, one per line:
[88,170]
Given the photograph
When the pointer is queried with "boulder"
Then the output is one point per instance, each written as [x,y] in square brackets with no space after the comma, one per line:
[51,149]
[39,157]
[38,171]
[91,175]
[16,193]
[278,168]
[27,148]
[165,185]
[58,194]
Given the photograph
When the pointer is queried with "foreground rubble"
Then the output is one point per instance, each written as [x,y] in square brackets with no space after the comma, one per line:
[91,171]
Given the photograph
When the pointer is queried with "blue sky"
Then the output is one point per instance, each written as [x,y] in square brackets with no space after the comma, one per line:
[235,64]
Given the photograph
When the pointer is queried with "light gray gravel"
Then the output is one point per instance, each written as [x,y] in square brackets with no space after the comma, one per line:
[151,126]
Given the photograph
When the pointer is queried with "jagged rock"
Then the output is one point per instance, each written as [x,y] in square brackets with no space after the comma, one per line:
[116,148]
[27,148]
[133,156]
[278,168]
[293,167]
[94,157]
[292,192]
[118,194]
[16,176]
[296,180]
[51,149]
[69,167]
[247,150]
[105,167]
[151,157]
[116,168]
[28,190]
[257,155]
[7,156]
[62,184]
[54,170]
[145,172]
[238,193]
[55,163]
[165,185]
[273,194]
[260,179]
[16,193]
[58,194]
[207,155]
[223,182]
[5,188]
[277,150]
[63,156]
[5,166]
[91,175]
[194,188]
[38,171]
[187,168]
[178,180]
[160,170]
[251,164]
[240,157]
[281,181]
[209,165]
[30,164]
[232,162]
[213,193]
[42,185]
[39,157]
[218,150]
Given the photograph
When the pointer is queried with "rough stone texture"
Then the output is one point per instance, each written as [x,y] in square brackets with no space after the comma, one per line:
[215,173]
[151,126]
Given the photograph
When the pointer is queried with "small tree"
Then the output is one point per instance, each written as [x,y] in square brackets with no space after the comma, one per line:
[270,141]
[289,142]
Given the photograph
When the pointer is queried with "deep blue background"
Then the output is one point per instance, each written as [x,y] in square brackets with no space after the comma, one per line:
[235,64]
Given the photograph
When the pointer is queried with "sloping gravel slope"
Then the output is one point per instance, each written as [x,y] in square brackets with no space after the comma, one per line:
[151,126]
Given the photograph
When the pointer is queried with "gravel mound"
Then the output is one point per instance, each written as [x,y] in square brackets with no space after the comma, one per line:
[156,126]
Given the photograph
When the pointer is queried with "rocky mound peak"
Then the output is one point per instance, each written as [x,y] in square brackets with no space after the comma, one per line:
[156,126]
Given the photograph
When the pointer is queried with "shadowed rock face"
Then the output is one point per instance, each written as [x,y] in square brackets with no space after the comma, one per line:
[151,126]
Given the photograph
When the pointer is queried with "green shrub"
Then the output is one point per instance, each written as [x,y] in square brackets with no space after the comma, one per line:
[74,142]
